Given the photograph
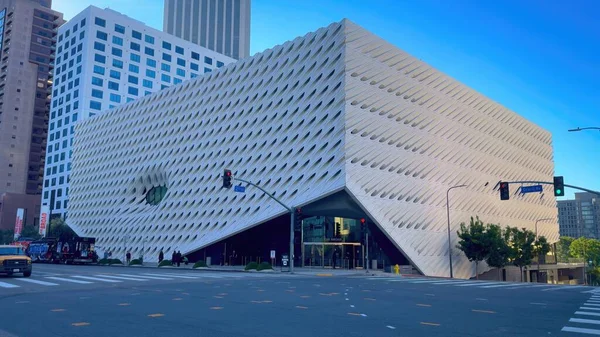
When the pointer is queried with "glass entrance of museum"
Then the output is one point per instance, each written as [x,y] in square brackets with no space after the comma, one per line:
[332,242]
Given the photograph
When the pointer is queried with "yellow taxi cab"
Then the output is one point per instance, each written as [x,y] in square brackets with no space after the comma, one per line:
[13,261]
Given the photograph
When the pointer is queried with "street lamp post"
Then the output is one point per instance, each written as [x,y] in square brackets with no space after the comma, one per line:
[449,237]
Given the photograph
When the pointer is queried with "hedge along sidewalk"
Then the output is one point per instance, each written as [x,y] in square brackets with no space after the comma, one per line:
[190,266]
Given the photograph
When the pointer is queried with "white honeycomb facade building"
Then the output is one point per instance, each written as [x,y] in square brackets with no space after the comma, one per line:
[338,110]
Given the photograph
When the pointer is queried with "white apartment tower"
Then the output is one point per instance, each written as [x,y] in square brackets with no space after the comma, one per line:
[219,25]
[104,59]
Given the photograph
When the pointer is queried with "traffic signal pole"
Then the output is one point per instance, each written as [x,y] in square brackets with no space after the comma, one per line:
[292,218]
[551,183]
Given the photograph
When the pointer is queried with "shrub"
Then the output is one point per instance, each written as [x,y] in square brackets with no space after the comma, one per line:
[251,266]
[114,261]
[135,262]
[200,264]
[264,266]
[165,263]
[103,261]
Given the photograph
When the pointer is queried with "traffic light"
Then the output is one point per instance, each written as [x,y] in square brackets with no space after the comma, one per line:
[559,187]
[227,176]
[363,225]
[338,229]
[504,191]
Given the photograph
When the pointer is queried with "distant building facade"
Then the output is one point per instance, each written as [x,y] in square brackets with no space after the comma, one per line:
[219,25]
[28,31]
[580,217]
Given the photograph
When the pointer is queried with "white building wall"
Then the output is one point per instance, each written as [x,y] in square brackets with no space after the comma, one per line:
[338,109]
[75,73]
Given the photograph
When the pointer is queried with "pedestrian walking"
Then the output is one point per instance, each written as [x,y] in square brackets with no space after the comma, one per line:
[128,256]
[174,258]
[178,257]
[161,256]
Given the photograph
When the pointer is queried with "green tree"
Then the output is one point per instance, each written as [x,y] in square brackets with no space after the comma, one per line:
[499,250]
[562,249]
[588,249]
[473,241]
[541,247]
[60,230]
[6,236]
[30,232]
[521,249]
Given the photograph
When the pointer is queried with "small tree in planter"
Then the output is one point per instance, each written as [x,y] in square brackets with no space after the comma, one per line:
[251,266]
[165,263]
[200,264]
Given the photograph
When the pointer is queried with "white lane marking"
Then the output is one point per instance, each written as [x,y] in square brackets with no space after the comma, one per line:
[592,304]
[123,278]
[555,288]
[8,285]
[43,283]
[481,299]
[452,282]
[537,303]
[428,281]
[351,306]
[587,313]
[148,277]
[390,327]
[582,320]
[97,279]
[477,284]
[587,308]
[68,280]
[499,285]
[520,287]
[581,330]
[176,276]
[593,300]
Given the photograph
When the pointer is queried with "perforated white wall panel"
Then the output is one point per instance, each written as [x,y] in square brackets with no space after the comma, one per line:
[335,109]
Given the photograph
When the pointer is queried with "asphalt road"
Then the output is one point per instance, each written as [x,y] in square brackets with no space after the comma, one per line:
[82,301]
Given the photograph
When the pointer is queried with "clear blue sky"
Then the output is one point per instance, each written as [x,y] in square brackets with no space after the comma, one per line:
[540,59]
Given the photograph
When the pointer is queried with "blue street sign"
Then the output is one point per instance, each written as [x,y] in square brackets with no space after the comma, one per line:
[239,188]
[531,189]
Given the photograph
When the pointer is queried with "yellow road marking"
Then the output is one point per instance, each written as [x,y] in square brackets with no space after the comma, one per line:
[123,304]
[369,299]
[177,299]
[428,323]
[423,305]
[484,311]
[301,307]
[156,315]
[325,275]
[216,308]
[58,310]
[80,324]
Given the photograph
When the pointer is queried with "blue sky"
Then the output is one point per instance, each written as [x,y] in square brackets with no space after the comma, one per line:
[540,59]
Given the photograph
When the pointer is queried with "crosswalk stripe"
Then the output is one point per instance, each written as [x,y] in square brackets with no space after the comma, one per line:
[97,279]
[452,282]
[588,303]
[43,283]
[123,278]
[8,285]
[593,301]
[68,280]
[476,284]
[148,277]
[588,308]
[176,276]
[500,285]
[582,320]
[581,330]
[587,313]
[428,281]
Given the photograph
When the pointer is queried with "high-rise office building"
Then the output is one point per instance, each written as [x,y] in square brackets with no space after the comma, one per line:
[105,59]
[580,217]
[219,25]
[28,31]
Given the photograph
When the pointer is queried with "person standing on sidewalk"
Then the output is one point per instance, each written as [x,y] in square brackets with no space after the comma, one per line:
[178,258]
[174,257]
[161,256]
[128,256]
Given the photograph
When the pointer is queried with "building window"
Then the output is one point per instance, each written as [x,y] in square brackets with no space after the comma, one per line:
[207,70]
[135,57]
[194,66]
[156,195]
[166,57]
[179,50]
[196,56]
[150,73]
[151,63]
[117,52]
[180,72]
[99,46]
[82,23]
[98,70]
[134,46]
[117,40]
[136,35]
[134,69]
[149,51]
[115,98]
[113,86]
[220,64]
[193,75]
[97,81]
[207,60]
[118,64]
[115,74]
[165,67]
[100,22]
[181,62]
[119,29]
[81,35]
[132,91]
[165,78]
[102,35]
[95,105]
[176,80]
[166,45]
[97,93]
[147,84]
[149,39]
[132,79]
